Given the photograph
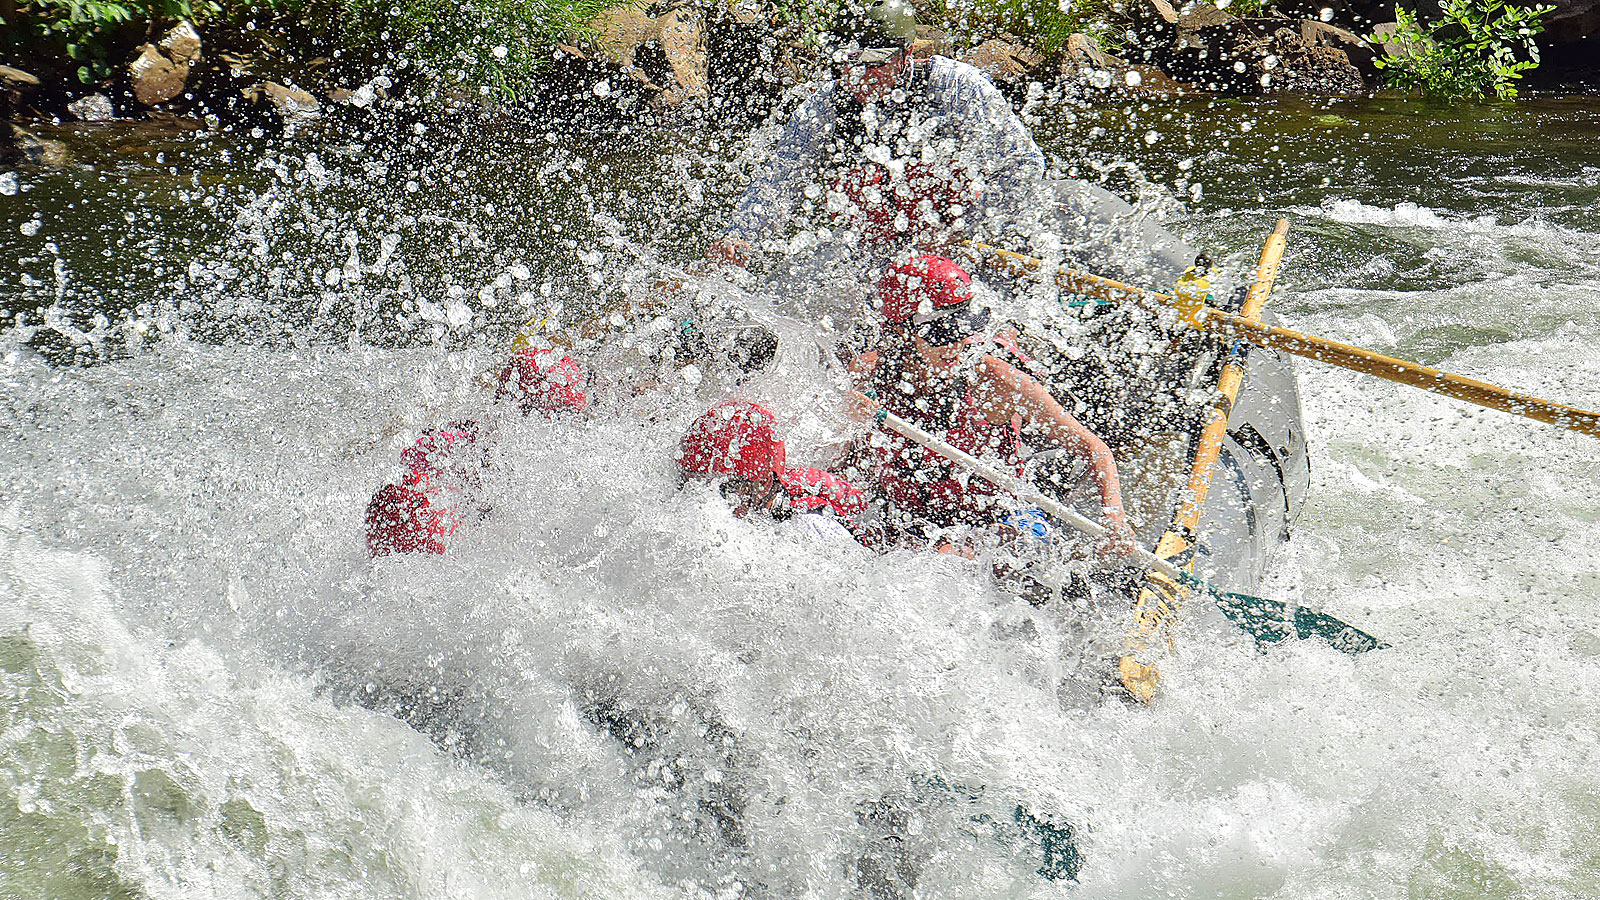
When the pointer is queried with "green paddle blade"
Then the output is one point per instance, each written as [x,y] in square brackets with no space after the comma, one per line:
[1272,621]
[1061,859]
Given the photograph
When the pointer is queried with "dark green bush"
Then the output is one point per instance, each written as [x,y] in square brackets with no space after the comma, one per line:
[500,45]
[85,31]
[1043,24]
[1479,47]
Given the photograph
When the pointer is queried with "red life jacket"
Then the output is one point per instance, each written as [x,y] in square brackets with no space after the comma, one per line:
[924,484]
[542,380]
[438,493]
[914,205]
[404,520]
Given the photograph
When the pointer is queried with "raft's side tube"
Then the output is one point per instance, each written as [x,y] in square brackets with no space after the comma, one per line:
[1105,234]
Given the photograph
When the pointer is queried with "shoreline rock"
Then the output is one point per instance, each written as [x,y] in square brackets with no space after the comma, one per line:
[160,71]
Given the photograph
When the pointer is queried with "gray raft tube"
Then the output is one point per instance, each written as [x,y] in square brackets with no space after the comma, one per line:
[1104,234]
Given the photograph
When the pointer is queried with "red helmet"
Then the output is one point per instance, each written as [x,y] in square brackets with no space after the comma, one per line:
[541,380]
[921,286]
[735,438]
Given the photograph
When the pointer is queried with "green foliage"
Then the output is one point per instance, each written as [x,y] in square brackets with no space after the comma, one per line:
[494,47]
[498,47]
[1479,47]
[1246,8]
[807,20]
[1043,24]
[86,31]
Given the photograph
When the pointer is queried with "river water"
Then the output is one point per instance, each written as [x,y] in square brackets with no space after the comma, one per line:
[216,345]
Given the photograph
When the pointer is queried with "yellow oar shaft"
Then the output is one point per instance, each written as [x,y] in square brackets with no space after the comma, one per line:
[1156,605]
[1228,385]
[1321,349]
[1400,371]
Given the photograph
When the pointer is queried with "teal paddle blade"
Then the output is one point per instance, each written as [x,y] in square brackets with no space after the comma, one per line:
[1272,621]
[1054,841]
[1061,858]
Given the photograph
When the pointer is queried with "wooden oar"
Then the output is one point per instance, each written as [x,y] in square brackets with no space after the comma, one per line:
[1155,608]
[1226,324]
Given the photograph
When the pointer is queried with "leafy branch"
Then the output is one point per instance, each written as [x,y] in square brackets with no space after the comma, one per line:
[1478,47]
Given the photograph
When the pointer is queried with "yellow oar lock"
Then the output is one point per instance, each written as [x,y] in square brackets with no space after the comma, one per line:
[533,335]
[1191,297]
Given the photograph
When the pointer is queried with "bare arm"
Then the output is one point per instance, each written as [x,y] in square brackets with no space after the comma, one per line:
[1007,392]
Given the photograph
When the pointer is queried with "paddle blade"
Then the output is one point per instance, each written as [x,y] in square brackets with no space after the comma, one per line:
[1271,621]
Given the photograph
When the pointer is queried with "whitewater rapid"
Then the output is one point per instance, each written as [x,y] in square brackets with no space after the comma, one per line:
[209,690]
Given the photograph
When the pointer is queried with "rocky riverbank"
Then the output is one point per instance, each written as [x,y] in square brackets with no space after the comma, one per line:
[683,59]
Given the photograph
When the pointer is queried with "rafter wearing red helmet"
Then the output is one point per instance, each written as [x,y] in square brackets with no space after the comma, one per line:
[736,443]
[939,366]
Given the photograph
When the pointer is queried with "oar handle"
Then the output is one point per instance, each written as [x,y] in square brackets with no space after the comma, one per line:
[1016,486]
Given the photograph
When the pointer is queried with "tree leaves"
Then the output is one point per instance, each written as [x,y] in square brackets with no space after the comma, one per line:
[1477,47]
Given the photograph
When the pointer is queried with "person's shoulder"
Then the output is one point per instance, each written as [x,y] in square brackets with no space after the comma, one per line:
[809,101]
[1003,370]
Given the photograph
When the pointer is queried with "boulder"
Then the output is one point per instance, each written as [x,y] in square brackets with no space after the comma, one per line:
[181,44]
[1261,56]
[1083,52]
[618,34]
[932,42]
[17,80]
[363,96]
[1316,33]
[1083,61]
[1194,25]
[290,103]
[15,84]
[666,52]
[681,39]
[1155,16]
[154,78]
[1385,32]
[159,71]
[18,147]
[93,108]
[1194,16]
[1574,24]
[748,62]
[1004,61]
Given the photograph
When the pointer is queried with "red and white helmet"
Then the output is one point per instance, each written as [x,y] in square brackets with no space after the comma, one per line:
[736,438]
[920,287]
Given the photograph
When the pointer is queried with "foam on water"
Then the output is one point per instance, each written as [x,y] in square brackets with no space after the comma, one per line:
[140,766]
[217,495]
